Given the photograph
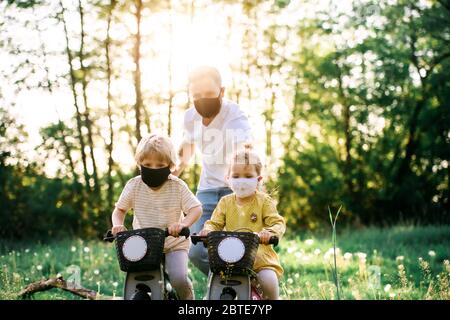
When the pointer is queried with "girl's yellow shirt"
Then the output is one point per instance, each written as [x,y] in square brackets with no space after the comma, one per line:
[257,215]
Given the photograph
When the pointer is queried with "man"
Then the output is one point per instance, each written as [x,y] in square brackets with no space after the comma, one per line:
[217,127]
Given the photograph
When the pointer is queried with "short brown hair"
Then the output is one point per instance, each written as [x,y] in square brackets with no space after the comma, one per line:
[247,156]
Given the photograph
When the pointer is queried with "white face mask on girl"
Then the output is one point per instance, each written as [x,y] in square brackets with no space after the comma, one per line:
[243,187]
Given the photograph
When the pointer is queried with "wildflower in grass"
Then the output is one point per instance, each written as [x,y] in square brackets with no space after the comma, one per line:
[356,294]
[309,242]
[86,249]
[27,250]
[105,255]
[402,276]
[348,256]
[290,281]
[399,259]
[290,249]
[115,284]
[361,255]
[296,276]
[27,279]
[431,253]
[39,267]
[426,271]
[16,277]
[73,249]
[330,253]
[47,254]
[387,288]
[298,254]
[317,252]
[96,272]
[447,265]
[392,295]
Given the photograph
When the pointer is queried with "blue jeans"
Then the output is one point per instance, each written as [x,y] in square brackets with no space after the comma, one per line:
[209,198]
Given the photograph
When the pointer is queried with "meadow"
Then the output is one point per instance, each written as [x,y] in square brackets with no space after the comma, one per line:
[402,262]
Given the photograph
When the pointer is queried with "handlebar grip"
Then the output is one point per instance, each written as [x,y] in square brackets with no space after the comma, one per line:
[196,238]
[273,240]
[109,237]
[184,232]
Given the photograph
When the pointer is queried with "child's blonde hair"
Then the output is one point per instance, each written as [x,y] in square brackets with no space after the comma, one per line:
[158,144]
[247,156]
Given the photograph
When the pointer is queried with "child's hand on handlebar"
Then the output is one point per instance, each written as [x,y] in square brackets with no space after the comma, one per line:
[118,228]
[264,236]
[175,228]
[203,233]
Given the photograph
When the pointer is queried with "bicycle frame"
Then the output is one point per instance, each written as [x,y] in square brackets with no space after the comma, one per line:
[230,287]
[148,284]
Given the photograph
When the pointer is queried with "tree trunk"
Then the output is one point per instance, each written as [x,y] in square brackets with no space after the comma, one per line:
[411,144]
[75,100]
[110,145]
[67,149]
[348,137]
[137,73]
[87,122]
[171,93]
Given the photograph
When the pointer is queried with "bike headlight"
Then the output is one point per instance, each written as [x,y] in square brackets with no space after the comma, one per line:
[134,248]
[231,249]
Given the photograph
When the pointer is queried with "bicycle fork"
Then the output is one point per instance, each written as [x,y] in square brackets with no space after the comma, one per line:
[229,288]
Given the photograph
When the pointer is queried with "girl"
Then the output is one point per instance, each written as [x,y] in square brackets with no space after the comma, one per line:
[249,208]
[158,199]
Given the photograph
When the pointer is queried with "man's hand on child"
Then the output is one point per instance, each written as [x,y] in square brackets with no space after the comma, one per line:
[175,228]
[118,228]
[264,236]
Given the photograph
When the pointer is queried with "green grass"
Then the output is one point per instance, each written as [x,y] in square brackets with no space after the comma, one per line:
[413,264]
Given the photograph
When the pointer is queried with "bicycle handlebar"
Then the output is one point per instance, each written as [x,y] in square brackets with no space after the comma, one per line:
[109,237]
[196,238]
[184,232]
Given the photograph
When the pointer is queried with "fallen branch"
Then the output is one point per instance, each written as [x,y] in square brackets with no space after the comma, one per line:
[60,283]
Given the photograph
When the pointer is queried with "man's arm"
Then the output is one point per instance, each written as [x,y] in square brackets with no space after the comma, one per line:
[185,154]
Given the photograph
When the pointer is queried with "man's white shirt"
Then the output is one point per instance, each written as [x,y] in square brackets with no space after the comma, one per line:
[216,141]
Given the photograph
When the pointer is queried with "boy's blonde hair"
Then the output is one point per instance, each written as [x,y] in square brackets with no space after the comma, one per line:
[247,156]
[158,144]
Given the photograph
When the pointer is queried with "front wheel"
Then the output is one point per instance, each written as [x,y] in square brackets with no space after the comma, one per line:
[228,293]
[143,292]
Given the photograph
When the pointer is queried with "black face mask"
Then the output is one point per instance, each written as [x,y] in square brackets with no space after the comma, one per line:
[154,177]
[208,107]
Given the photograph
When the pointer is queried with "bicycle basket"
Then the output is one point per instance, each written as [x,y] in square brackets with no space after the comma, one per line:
[232,253]
[140,250]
